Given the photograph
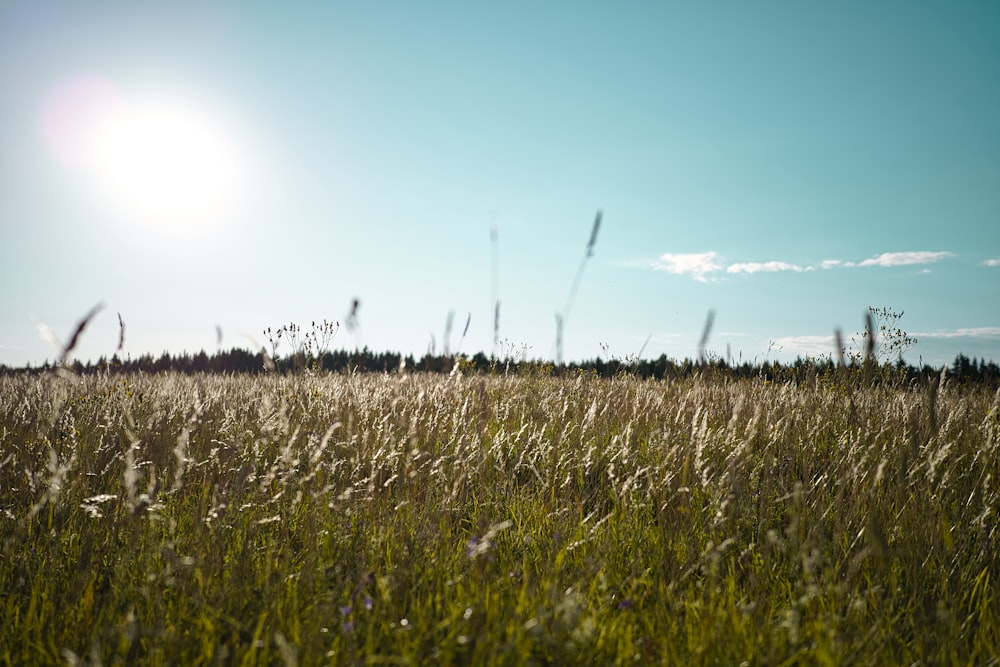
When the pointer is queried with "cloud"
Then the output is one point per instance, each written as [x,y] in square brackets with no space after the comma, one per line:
[806,346]
[698,265]
[905,258]
[972,332]
[992,262]
[701,265]
[766,267]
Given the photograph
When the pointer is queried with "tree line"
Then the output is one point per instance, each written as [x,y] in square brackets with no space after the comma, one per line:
[242,361]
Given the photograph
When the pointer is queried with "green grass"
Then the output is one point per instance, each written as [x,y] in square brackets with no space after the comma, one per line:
[385,519]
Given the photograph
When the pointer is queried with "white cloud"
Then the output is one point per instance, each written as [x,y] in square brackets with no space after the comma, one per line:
[992,262]
[806,346]
[904,258]
[698,265]
[972,332]
[701,265]
[766,267]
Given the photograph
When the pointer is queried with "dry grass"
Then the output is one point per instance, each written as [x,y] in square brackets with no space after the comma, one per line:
[522,519]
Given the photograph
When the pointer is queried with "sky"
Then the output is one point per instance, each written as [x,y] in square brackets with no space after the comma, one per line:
[208,170]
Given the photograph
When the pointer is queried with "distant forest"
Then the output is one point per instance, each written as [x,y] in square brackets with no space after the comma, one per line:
[241,361]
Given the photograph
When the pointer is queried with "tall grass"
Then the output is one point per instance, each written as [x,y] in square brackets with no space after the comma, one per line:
[506,519]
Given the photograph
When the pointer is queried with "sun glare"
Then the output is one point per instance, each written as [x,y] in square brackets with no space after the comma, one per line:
[167,165]
[160,163]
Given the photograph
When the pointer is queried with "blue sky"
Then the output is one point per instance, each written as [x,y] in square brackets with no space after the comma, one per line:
[786,164]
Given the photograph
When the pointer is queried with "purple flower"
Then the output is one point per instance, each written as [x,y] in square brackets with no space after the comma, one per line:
[472,548]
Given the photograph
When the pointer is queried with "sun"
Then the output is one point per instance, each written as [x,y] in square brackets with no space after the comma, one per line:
[167,165]
[160,162]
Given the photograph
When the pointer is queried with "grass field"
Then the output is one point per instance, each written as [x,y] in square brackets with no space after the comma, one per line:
[497,519]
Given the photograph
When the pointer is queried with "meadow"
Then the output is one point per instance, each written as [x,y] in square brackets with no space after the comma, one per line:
[500,518]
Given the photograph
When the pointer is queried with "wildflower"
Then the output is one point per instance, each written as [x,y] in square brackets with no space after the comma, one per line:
[478,546]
